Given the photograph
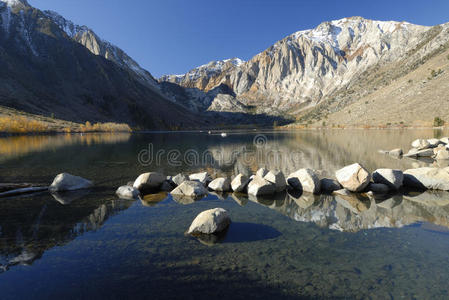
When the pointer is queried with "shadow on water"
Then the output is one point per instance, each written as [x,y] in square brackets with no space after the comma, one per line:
[240,232]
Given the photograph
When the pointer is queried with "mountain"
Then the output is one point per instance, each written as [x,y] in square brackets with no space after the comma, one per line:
[50,66]
[312,74]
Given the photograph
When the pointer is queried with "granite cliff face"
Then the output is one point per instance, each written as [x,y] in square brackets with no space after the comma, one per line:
[314,66]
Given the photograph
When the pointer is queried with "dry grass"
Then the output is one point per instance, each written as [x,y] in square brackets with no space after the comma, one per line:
[15,122]
[10,124]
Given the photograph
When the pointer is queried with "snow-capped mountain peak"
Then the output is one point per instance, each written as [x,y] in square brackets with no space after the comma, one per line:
[208,70]
[12,3]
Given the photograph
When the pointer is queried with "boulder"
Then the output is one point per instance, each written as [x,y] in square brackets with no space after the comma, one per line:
[396,152]
[262,172]
[210,221]
[442,154]
[167,185]
[433,142]
[68,182]
[354,178]
[202,177]
[260,186]
[378,188]
[419,153]
[420,144]
[445,140]
[329,185]
[150,180]
[127,192]
[427,178]
[392,178]
[239,183]
[438,148]
[305,180]
[180,178]
[190,188]
[278,179]
[220,184]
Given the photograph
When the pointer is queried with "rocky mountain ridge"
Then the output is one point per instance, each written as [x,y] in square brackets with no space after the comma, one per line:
[313,68]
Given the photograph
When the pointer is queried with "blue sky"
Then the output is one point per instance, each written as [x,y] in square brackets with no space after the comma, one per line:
[174,36]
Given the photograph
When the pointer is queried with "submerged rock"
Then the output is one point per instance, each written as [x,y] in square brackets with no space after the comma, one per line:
[127,192]
[260,186]
[392,178]
[150,180]
[305,180]
[220,184]
[210,221]
[427,178]
[396,152]
[68,182]
[239,183]
[354,178]
[190,189]
[278,179]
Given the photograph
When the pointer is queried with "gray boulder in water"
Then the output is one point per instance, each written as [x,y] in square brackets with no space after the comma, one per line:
[278,179]
[220,184]
[210,221]
[427,178]
[127,192]
[190,188]
[392,178]
[260,186]
[68,182]
[354,178]
[150,180]
[305,180]
[239,183]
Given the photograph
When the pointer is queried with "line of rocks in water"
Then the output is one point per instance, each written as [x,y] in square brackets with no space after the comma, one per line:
[353,178]
[437,149]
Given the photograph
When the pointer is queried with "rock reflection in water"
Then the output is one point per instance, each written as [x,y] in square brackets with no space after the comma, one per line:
[353,212]
[31,226]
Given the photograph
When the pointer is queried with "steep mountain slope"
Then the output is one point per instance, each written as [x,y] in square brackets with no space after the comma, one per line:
[315,72]
[50,66]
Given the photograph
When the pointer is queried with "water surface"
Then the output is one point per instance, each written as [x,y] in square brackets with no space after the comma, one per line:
[90,244]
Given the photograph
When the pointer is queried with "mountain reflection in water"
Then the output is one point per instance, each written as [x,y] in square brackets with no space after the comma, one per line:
[355,212]
[29,226]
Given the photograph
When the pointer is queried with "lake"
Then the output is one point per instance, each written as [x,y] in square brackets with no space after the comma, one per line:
[90,244]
